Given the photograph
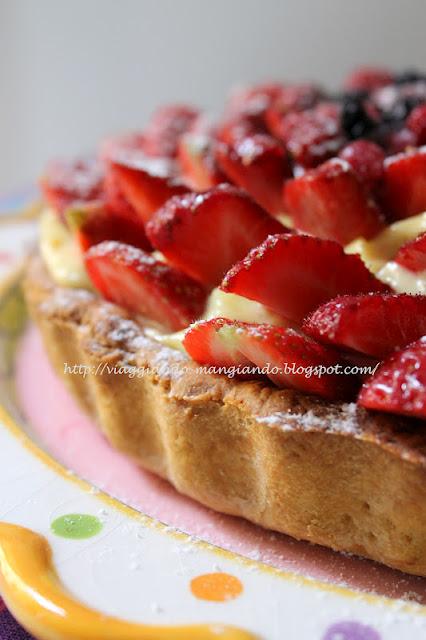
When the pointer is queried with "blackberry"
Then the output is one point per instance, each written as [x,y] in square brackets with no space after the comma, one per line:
[408,76]
[402,109]
[356,123]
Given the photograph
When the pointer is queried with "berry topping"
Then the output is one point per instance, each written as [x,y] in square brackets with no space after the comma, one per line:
[205,234]
[399,385]
[290,98]
[113,194]
[412,255]
[94,222]
[146,183]
[366,159]
[294,274]
[416,122]
[165,127]
[330,202]
[288,358]
[313,135]
[259,165]
[409,76]
[400,141]
[137,281]
[356,119]
[255,99]
[66,182]
[204,344]
[197,163]
[368,78]
[404,188]
[374,324]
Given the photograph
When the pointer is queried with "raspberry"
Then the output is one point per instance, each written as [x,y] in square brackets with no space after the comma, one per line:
[366,159]
[416,122]
[313,135]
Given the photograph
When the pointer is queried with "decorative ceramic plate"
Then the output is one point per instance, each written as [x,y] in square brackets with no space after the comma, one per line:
[92,547]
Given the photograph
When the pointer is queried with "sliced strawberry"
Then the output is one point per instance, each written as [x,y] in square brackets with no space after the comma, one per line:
[367,161]
[236,126]
[374,324]
[167,124]
[288,358]
[94,222]
[294,274]
[259,165]
[137,281]
[68,181]
[205,234]
[368,78]
[405,183]
[115,148]
[204,344]
[296,97]
[399,385]
[197,162]
[313,135]
[146,183]
[113,195]
[330,202]
[412,254]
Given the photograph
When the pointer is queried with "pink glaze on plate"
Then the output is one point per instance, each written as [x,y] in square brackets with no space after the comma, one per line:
[73,439]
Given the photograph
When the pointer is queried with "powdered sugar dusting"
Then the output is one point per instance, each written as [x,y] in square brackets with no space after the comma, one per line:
[335,421]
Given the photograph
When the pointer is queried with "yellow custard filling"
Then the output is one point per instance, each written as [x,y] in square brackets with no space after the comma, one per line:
[61,253]
[383,247]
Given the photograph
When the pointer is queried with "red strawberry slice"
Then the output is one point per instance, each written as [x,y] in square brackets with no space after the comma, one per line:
[205,234]
[313,135]
[94,222]
[197,162]
[294,274]
[236,126]
[167,124]
[296,97]
[405,183]
[259,165]
[412,255]
[288,358]
[367,161]
[368,78]
[69,181]
[399,385]
[204,344]
[146,183]
[331,203]
[137,281]
[113,195]
[374,324]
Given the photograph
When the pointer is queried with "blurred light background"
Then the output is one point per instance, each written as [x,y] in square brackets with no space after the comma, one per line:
[72,71]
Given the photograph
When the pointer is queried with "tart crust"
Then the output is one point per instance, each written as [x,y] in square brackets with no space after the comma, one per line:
[330,473]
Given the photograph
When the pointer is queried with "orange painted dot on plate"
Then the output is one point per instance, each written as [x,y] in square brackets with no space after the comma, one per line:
[217,587]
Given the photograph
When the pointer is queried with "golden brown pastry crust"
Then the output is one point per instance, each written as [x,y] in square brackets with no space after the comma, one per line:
[333,474]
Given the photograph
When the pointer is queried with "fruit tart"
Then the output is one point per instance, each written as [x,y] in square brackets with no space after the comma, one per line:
[244,302]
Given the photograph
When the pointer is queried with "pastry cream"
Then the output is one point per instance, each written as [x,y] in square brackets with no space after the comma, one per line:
[402,280]
[225,305]
[383,247]
[61,253]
